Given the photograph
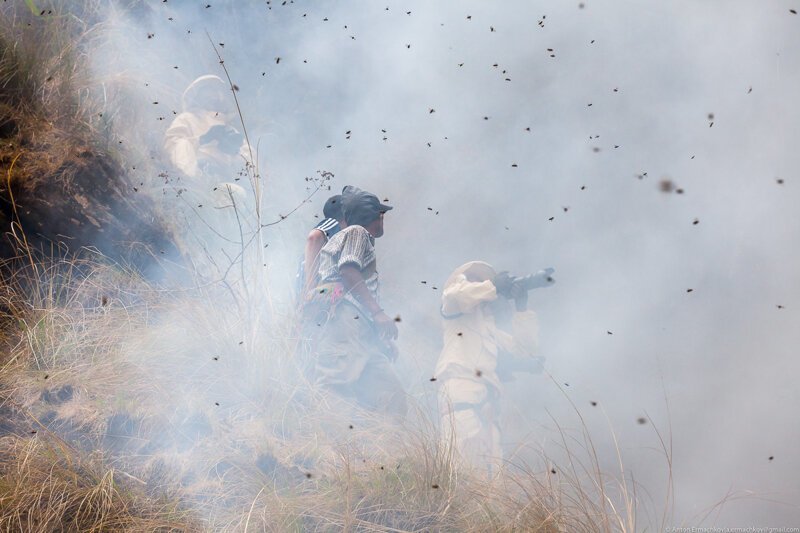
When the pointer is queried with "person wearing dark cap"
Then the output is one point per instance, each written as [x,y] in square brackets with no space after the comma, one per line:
[355,348]
[317,237]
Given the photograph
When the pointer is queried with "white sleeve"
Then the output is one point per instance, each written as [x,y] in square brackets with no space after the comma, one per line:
[181,146]
[524,338]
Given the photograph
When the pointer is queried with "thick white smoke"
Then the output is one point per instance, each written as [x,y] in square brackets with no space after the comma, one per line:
[534,134]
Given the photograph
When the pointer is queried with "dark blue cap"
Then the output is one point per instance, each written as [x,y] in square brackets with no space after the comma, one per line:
[361,207]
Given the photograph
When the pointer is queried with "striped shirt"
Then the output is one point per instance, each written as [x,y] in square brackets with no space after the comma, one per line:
[329,226]
[350,246]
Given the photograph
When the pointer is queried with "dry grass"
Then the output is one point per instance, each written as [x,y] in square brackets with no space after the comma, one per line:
[418,489]
[133,407]
[51,104]
[63,182]
[60,319]
[239,442]
[47,485]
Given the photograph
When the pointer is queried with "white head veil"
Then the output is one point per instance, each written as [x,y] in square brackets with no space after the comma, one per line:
[189,93]
[476,270]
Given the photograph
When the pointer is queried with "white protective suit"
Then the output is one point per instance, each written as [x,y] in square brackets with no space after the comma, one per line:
[209,151]
[469,385]
[203,105]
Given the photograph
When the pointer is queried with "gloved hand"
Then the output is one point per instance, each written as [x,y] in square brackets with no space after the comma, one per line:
[503,283]
[390,350]
[543,278]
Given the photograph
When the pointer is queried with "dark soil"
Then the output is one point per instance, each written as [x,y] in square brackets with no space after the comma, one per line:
[66,429]
[58,396]
[122,434]
[87,203]
[10,419]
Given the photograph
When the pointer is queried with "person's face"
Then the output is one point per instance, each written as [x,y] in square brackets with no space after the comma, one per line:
[375,228]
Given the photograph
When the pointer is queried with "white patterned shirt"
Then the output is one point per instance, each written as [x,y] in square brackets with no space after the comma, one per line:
[354,246]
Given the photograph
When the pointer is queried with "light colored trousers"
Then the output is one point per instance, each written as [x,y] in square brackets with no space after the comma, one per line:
[351,363]
[469,411]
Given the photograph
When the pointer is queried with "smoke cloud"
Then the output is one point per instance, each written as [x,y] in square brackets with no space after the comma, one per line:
[642,149]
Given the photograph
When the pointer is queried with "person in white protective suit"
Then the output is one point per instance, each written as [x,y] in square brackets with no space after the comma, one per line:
[202,141]
[210,154]
[467,367]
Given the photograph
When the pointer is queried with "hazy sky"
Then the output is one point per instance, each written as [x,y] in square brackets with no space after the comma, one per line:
[493,149]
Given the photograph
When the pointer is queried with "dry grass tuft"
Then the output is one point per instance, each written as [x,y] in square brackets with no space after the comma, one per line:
[50,101]
[48,486]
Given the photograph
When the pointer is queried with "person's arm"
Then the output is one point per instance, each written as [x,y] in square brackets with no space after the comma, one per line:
[524,337]
[357,254]
[181,146]
[354,282]
[314,242]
